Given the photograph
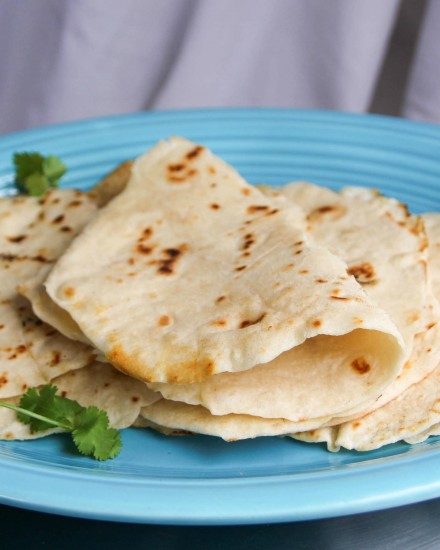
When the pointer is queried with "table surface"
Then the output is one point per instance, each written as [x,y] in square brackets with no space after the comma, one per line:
[410,527]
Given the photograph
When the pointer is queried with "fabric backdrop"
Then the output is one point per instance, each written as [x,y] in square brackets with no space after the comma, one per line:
[70,59]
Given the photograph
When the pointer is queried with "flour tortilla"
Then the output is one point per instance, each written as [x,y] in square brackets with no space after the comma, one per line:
[414,414]
[169,300]
[359,225]
[98,384]
[32,233]
[384,246]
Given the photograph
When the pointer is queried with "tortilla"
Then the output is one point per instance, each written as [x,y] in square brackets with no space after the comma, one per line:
[168,300]
[414,414]
[98,384]
[32,233]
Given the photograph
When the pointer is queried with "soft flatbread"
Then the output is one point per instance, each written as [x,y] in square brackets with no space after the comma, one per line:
[168,300]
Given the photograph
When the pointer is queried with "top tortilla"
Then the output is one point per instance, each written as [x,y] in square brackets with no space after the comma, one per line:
[190,272]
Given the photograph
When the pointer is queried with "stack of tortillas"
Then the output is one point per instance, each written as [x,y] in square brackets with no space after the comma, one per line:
[177,296]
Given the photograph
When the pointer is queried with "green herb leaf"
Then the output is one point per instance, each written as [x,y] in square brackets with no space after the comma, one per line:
[43,409]
[93,436]
[35,174]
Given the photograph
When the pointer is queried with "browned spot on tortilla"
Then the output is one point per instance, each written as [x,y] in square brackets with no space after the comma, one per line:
[257,208]
[2,326]
[298,252]
[194,152]
[360,365]
[17,238]
[69,292]
[66,229]
[342,298]
[74,204]
[135,399]
[178,372]
[317,323]
[15,257]
[249,241]
[20,349]
[220,299]
[215,206]
[164,321]
[430,325]
[146,234]
[144,249]
[219,323]
[363,273]
[59,218]
[248,323]
[321,281]
[240,268]
[3,380]
[356,425]
[246,191]
[176,167]
[56,359]
[212,170]
[272,212]
[303,271]
[332,211]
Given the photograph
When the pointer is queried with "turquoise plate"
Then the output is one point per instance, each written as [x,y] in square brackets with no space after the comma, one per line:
[203,480]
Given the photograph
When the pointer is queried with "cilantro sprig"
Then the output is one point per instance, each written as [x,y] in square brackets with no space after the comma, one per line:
[35,174]
[89,426]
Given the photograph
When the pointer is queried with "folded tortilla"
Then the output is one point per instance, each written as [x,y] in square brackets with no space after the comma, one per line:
[190,272]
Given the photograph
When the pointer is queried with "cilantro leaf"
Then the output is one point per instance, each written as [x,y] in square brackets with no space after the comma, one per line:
[89,426]
[35,174]
[53,169]
[93,436]
[47,404]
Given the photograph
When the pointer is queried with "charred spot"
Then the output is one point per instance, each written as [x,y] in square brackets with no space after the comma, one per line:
[69,292]
[257,208]
[214,206]
[144,249]
[135,399]
[334,211]
[248,323]
[2,326]
[194,152]
[66,229]
[63,393]
[166,267]
[272,212]
[246,254]
[59,218]
[248,243]
[21,349]
[363,273]
[172,252]
[74,204]
[24,387]
[56,358]
[298,252]
[146,233]
[360,365]
[240,268]
[176,167]
[321,281]
[9,257]
[17,238]
[164,321]
[42,259]
[220,299]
